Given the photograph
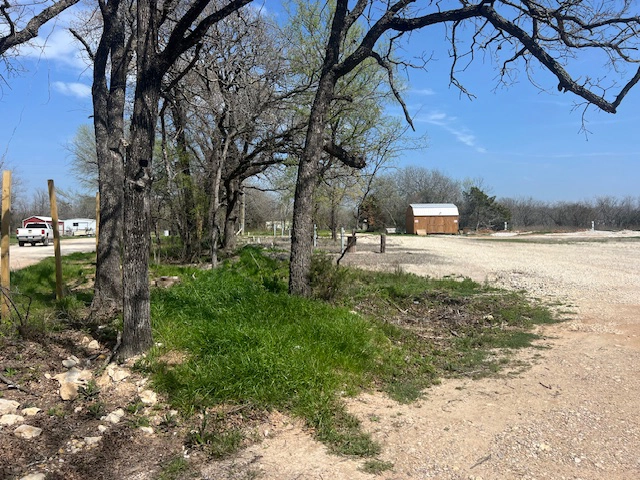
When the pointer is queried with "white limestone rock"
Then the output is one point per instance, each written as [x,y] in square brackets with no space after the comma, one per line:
[10,419]
[31,411]
[148,397]
[27,432]
[8,406]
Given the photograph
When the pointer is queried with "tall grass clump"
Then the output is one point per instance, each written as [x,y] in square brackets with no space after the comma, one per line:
[245,340]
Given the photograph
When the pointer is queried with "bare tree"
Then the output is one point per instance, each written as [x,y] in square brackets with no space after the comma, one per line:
[521,34]
[84,162]
[527,212]
[20,22]
[239,115]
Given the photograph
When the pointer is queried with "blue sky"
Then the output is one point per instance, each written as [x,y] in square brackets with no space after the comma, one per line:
[522,142]
[41,110]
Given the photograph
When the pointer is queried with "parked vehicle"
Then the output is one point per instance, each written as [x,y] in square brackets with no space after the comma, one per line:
[35,233]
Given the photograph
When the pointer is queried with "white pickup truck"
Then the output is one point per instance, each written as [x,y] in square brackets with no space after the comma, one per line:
[35,233]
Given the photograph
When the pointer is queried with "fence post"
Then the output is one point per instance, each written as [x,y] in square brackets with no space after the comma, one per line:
[351,243]
[383,243]
[4,243]
[56,238]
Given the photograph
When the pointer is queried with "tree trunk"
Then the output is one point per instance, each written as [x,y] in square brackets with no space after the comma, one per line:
[232,188]
[136,335]
[109,132]
[333,219]
[302,229]
[185,182]
[308,170]
[214,206]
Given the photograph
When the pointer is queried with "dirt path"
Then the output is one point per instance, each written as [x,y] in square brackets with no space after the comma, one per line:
[572,415]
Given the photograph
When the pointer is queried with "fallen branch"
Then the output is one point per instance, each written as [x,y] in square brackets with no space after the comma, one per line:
[114,351]
[16,386]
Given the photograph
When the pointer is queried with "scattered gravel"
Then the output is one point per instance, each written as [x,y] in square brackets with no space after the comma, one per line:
[571,415]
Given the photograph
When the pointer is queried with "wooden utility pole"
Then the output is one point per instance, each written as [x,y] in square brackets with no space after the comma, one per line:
[56,238]
[4,243]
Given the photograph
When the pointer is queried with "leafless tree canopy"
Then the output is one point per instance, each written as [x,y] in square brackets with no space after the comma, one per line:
[20,21]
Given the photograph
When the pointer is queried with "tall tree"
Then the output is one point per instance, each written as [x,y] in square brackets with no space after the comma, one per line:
[482,211]
[544,33]
[112,58]
[153,60]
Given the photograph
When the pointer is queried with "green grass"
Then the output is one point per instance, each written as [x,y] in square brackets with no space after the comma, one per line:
[174,469]
[245,343]
[472,320]
[376,467]
[33,292]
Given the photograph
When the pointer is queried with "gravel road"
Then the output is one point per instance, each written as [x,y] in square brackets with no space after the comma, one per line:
[20,257]
[573,414]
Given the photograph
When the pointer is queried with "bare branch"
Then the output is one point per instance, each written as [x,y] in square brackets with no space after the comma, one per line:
[566,82]
[84,43]
[349,159]
[392,84]
[30,31]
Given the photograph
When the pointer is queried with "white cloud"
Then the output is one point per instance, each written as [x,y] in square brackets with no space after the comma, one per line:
[422,91]
[59,46]
[452,125]
[73,89]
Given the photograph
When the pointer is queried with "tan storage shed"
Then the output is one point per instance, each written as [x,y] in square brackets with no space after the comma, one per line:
[428,218]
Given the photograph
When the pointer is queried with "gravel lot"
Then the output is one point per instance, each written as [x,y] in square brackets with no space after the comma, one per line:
[21,257]
[572,415]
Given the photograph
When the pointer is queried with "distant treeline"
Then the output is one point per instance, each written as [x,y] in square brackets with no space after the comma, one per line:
[387,202]
[607,213]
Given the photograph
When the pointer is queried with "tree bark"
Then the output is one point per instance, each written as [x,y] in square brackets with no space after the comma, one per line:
[184,181]
[214,207]
[109,105]
[136,335]
[232,190]
[302,228]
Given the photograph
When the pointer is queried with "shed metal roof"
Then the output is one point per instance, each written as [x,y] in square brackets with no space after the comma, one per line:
[434,209]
